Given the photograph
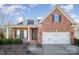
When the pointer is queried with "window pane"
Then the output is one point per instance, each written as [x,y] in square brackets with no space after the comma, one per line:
[21,34]
[18,33]
[29,22]
[56,18]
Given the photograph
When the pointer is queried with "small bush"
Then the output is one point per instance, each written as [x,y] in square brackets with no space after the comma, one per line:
[1,41]
[7,41]
[17,41]
[2,35]
[76,41]
[10,41]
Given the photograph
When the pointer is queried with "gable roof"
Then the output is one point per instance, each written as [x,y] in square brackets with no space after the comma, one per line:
[29,22]
[20,23]
[62,11]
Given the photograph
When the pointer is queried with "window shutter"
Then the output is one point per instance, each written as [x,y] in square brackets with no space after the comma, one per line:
[15,34]
[59,18]
[52,18]
[32,34]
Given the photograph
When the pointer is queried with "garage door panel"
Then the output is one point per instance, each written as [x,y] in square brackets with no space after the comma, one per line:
[56,38]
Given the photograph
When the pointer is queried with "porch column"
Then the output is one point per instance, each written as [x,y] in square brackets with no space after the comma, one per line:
[7,33]
[28,34]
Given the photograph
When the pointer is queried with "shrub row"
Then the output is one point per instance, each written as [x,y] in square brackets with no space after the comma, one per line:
[10,41]
[76,41]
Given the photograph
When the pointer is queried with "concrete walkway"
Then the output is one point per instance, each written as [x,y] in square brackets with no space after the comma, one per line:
[24,49]
[55,50]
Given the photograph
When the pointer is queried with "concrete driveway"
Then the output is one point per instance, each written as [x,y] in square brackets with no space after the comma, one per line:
[55,49]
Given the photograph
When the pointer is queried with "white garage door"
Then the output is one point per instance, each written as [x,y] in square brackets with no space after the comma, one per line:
[56,37]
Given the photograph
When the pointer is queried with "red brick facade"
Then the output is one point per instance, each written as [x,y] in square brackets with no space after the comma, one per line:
[49,26]
[13,30]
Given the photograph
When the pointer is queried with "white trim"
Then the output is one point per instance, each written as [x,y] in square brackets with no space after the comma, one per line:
[25,26]
[25,33]
[57,38]
[61,10]
[28,34]
[17,33]
[7,32]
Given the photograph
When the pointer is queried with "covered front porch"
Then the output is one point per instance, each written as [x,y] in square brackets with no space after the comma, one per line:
[26,33]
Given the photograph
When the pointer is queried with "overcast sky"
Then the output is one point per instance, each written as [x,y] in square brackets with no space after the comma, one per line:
[16,13]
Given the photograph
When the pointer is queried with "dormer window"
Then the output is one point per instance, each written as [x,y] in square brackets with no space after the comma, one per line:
[56,18]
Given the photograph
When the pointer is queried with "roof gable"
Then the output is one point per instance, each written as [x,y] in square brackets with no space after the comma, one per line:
[61,10]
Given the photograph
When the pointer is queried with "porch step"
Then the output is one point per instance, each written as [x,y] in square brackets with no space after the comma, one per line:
[34,49]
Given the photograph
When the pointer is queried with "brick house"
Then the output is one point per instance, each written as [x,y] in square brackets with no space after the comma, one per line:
[55,28]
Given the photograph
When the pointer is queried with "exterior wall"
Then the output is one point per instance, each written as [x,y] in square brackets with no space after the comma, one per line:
[13,30]
[40,34]
[31,41]
[49,26]
[13,33]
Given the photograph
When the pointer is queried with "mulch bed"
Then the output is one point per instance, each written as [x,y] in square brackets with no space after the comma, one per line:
[18,49]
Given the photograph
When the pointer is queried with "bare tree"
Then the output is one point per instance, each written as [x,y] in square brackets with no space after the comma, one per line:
[2,20]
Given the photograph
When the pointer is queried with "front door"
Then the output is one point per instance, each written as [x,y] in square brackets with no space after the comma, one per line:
[25,39]
[25,34]
[22,34]
[18,34]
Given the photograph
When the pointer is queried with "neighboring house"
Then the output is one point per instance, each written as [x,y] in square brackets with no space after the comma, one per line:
[55,28]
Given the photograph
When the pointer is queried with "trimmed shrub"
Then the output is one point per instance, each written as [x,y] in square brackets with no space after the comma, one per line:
[17,41]
[76,41]
[7,41]
[1,41]
[10,41]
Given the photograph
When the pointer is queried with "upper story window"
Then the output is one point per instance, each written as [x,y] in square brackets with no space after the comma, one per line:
[56,18]
[30,22]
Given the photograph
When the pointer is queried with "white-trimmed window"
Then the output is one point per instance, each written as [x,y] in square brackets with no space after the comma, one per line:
[18,33]
[25,33]
[56,18]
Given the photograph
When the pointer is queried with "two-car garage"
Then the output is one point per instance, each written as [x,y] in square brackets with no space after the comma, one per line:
[56,37]
[56,28]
